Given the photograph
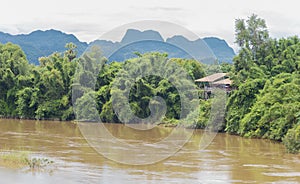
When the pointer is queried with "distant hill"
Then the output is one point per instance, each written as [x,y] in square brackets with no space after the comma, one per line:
[42,43]
[221,49]
[197,49]
[206,50]
[127,51]
[133,35]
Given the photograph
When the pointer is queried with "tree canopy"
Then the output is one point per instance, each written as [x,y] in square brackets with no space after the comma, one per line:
[266,75]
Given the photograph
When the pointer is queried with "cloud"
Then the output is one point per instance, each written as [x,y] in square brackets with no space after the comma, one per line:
[91,18]
[172,9]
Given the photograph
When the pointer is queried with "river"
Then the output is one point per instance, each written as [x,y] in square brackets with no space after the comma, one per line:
[227,159]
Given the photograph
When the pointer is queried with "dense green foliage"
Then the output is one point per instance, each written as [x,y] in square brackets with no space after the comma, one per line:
[15,74]
[264,104]
[114,79]
[292,140]
[45,91]
[275,109]
[266,73]
[42,92]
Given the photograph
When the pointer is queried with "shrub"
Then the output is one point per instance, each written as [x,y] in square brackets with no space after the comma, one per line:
[292,140]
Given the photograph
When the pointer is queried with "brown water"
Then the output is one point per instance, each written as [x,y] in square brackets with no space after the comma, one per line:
[228,159]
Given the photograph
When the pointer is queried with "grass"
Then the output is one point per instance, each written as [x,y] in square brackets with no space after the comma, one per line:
[38,163]
[22,159]
[14,159]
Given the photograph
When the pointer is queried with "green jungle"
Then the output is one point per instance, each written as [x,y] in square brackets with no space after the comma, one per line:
[265,74]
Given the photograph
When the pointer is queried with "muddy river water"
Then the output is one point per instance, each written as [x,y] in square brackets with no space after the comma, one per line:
[227,159]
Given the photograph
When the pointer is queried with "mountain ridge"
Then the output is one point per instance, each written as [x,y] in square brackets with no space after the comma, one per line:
[44,42]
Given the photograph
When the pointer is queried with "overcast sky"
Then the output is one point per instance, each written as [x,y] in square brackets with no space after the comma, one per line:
[89,19]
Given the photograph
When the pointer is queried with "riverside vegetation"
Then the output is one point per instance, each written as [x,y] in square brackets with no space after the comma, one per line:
[265,104]
[22,159]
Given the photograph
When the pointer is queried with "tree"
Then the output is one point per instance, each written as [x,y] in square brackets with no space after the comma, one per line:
[71,53]
[14,75]
[253,39]
[251,34]
[240,102]
[266,74]
[52,86]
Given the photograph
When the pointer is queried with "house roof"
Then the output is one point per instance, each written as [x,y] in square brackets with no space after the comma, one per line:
[212,78]
[223,82]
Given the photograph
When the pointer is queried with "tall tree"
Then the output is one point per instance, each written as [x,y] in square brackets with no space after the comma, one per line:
[253,39]
[14,75]
[251,33]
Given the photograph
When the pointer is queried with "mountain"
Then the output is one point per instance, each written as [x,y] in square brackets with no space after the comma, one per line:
[107,47]
[132,41]
[127,51]
[221,49]
[133,35]
[42,43]
[206,50]
[196,49]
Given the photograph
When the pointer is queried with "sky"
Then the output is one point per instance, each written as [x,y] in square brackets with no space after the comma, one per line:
[89,19]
